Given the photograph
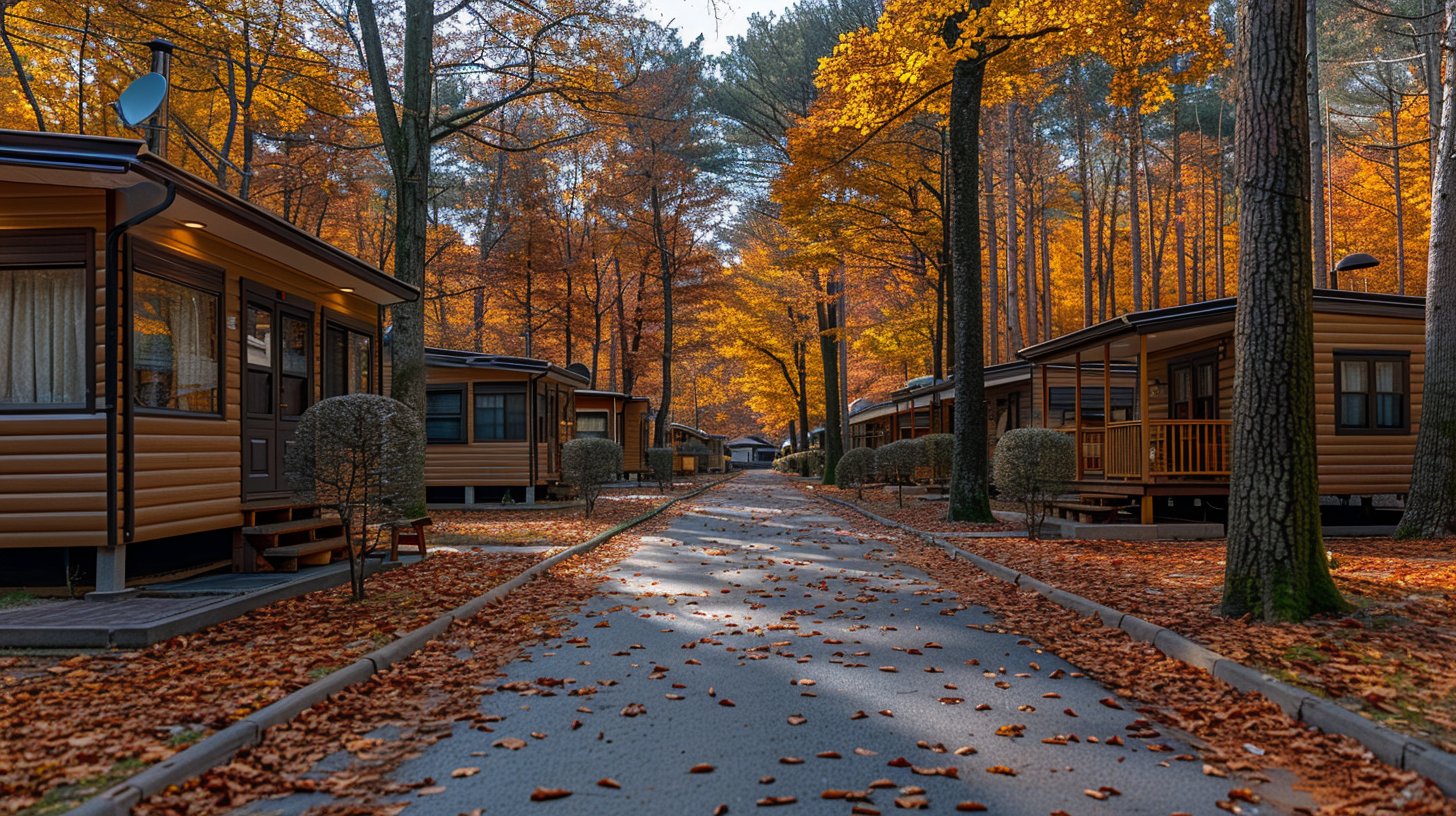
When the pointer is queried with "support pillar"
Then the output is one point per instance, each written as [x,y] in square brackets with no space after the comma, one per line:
[110,575]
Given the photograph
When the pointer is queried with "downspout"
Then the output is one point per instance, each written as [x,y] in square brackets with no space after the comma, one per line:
[112,367]
[532,466]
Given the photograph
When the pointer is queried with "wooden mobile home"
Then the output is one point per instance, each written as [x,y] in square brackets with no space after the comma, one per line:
[1017,396]
[1171,452]
[620,418]
[159,339]
[494,426]
[696,450]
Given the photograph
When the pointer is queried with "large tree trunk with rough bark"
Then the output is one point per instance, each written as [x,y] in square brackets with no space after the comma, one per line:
[969,482]
[1431,505]
[1277,568]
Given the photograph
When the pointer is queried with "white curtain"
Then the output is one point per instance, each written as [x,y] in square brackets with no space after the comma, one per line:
[42,336]
[194,341]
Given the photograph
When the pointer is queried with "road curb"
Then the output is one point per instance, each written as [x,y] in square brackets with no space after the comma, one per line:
[223,745]
[1386,744]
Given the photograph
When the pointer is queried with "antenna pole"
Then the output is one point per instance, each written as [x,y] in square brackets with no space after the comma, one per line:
[156,126]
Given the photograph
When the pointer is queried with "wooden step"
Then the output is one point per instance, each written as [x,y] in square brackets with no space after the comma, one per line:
[282,528]
[285,558]
[1086,513]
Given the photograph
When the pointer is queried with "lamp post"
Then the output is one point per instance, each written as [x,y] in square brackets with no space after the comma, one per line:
[1351,263]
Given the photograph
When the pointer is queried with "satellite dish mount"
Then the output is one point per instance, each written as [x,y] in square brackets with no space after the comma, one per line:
[144,102]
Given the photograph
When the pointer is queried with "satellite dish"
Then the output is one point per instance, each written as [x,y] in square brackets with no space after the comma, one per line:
[141,99]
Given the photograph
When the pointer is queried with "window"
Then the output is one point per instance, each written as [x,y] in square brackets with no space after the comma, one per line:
[45,308]
[1372,392]
[348,361]
[1062,402]
[500,413]
[445,414]
[174,345]
[1193,388]
[592,424]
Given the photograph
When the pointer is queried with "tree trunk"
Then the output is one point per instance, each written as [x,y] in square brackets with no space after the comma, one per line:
[1219,246]
[1033,327]
[1316,152]
[1277,567]
[993,273]
[664,260]
[1134,209]
[1180,229]
[1399,190]
[1084,184]
[1013,266]
[830,322]
[969,482]
[1431,505]
[406,137]
[1046,270]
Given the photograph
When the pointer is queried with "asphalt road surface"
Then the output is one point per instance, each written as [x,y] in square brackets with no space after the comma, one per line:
[763,647]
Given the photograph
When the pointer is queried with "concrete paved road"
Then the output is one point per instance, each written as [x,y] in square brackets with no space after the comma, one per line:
[759,627]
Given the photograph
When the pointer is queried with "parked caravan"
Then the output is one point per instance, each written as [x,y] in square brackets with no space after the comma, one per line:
[1169,453]
[620,418]
[159,340]
[494,426]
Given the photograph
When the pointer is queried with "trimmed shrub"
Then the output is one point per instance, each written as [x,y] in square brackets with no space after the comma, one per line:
[803,463]
[357,455]
[939,450]
[1033,466]
[898,461]
[856,466]
[589,463]
[659,462]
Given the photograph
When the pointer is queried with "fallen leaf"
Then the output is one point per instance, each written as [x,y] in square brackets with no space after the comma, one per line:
[547,794]
[461,773]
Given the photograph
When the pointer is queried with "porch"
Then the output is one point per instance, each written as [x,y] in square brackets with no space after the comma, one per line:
[1169,442]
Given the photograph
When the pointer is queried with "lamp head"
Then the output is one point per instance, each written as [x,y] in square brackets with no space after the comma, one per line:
[1358,260]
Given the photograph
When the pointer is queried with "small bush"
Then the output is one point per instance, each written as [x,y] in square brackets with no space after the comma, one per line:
[1033,466]
[898,461]
[589,463]
[659,462]
[939,450]
[857,466]
[354,455]
[803,463]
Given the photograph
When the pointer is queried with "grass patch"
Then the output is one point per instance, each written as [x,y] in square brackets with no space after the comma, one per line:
[182,739]
[320,672]
[16,597]
[61,799]
[1305,652]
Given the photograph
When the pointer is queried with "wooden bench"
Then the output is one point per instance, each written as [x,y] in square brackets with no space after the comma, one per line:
[1086,513]
[409,532]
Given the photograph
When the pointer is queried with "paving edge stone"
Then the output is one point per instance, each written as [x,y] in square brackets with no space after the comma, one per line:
[222,746]
[1386,744]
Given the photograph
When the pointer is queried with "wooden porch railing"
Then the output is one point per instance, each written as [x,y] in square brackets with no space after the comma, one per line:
[1090,449]
[1175,447]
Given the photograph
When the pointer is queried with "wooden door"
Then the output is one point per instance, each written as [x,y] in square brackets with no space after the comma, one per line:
[277,383]
[1193,389]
